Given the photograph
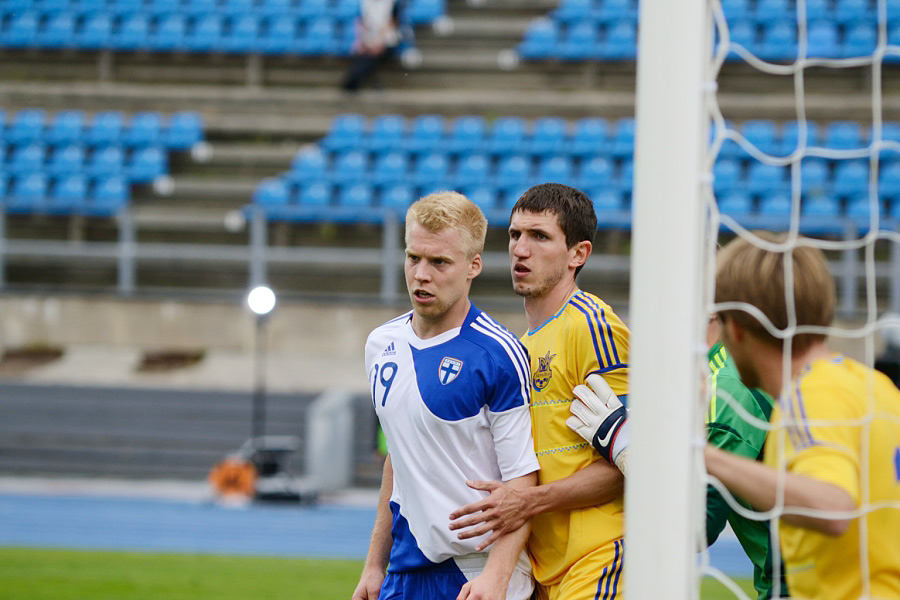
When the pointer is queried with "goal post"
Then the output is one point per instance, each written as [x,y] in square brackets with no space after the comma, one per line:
[663,499]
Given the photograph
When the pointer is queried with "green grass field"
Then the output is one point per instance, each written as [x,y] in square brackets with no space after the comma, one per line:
[42,574]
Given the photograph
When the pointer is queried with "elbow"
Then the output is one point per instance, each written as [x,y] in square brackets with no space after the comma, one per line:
[835,527]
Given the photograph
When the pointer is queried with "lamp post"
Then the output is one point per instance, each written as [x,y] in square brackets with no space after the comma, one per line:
[261,301]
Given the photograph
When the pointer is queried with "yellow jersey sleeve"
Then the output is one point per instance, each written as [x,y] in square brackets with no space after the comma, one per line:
[599,344]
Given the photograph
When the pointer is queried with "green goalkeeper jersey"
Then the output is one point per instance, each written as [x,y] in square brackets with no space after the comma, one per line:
[728,430]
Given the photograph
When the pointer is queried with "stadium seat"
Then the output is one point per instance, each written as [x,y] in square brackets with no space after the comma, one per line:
[132,33]
[107,196]
[814,176]
[851,177]
[610,11]
[589,137]
[790,137]
[484,196]
[163,8]
[889,179]
[548,137]
[620,42]
[507,135]
[200,8]
[607,201]
[512,171]
[146,164]
[420,12]
[554,169]
[58,31]
[319,37]
[67,193]
[312,8]
[183,130]
[356,196]
[431,170]
[272,192]
[779,42]
[66,127]
[594,172]
[106,161]
[279,35]
[622,138]
[540,41]
[28,193]
[345,132]
[390,168]
[860,210]
[762,134]
[26,126]
[125,8]
[105,128]
[387,134]
[170,34]
[820,207]
[736,204]
[850,11]
[860,39]
[27,158]
[727,175]
[426,134]
[21,31]
[317,194]
[736,10]
[233,8]
[349,167]
[763,178]
[397,198]
[818,10]
[143,129]
[744,34]
[95,32]
[472,170]
[67,160]
[822,40]
[776,208]
[243,34]
[466,135]
[579,41]
[308,165]
[206,33]
[344,10]
[843,135]
[624,178]
[774,11]
[573,11]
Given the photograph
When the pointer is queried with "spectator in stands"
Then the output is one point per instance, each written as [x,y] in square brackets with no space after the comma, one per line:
[378,38]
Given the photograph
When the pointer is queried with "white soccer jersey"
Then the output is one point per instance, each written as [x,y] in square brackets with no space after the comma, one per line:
[452,407]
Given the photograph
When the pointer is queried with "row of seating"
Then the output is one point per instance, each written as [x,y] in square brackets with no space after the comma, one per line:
[415,11]
[783,140]
[140,165]
[818,177]
[178,131]
[65,195]
[775,41]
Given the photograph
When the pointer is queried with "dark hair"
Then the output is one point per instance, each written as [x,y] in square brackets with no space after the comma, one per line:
[573,209]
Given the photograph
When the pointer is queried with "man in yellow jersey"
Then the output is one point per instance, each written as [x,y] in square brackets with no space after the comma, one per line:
[576,511]
[832,458]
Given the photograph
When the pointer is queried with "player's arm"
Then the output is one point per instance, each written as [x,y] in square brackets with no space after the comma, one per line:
[600,418]
[507,509]
[757,484]
[369,586]
[494,579]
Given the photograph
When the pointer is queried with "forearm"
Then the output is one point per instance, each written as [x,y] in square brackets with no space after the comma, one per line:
[596,484]
[505,551]
[758,484]
[380,544]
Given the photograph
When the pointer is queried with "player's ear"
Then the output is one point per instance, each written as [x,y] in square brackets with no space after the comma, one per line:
[475,267]
[580,253]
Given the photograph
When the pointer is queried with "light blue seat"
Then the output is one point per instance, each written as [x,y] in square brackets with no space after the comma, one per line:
[316,194]
[624,175]
[727,175]
[736,10]
[243,35]
[762,133]
[67,194]
[622,138]
[237,7]
[163,8]
[843,135]
[466,135]
[274,8]
[512,171]
[472,170]
[484,196]
[89,7]
[579,41]
[105,128]
[280,35]
[815,176]
[426,134]
[390,168]
[206,33]
[540,41]
[200,8]
[851,177]
[272,192]
[26,126]
[147,163]
[820,207]
[308,165]
[28,193]
[607,201]
[58,31]
[822,40]
[356,196]
[776,208]
[95,32]
[183,130]
[125,8]
[608,11]
[319,37]
[889,179]
[745,34]
[620,41]
[507,135]
[386,134]
[595,172]
[67,160]
[28,158]
[344,10]
[21,31]
[420,12]
[849,11]
[345,132]
[106,161]
[860,210]
[589,137]
[554,169]
[349,167]
[431,170]
[143,129]
[66,127]
[397,198]
[763,178]
[49,7]
[773,11]
[790,136]
[107,196]
[818,10]
[779,42]
[860,39]
[548,137]
[170,34]
[572,11]
[736,204]
[312,8]
[132,33]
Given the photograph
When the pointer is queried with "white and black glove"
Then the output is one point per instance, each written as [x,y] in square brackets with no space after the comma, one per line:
[600,418]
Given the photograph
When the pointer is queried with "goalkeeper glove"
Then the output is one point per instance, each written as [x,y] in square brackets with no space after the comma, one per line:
[600,418]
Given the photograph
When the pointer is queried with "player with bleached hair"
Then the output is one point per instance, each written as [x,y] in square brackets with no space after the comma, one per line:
[832,458]
[577,510]
[451,389]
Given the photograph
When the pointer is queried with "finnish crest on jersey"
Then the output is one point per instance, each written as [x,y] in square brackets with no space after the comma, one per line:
[542,376]
[449,369]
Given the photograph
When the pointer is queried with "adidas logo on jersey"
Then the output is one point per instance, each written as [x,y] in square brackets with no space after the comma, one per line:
[389,351]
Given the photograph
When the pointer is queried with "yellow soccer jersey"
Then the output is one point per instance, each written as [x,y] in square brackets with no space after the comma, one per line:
[584,337]
[834,429]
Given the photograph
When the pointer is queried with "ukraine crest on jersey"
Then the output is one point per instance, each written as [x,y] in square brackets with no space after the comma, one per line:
[452,407]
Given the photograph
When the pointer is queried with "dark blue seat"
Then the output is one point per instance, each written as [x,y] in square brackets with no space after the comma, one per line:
[106,161]
[507,135]
[349,167]
[26,126]
[183,130]
[554,169]
[472,170]
[95,32]
[243,35]
[143,129]
[67,160]
[107,196]
[851,177]
[620,41]
[466,135]
[132,33]
[21,31]
[105,128]
[147,163]
[344,133]
[548,137]
[426,134]
[540,41]
[594,172]
[66,127]
[170,33]
[67,194]
[589,137]
[58,31]
[390,168]
[206,33]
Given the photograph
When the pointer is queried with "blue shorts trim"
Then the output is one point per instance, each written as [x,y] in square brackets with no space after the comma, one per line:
[441,583]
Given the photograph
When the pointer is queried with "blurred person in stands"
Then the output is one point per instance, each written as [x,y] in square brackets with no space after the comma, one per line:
[379,34]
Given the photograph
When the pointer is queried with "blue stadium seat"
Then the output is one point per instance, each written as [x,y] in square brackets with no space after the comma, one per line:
[779,42]
[589,137]
[147,163]
[200,8]
[183,130]
[106,161]
[849,11]
[67,160]
[243,35]
[540,41]
[356,195]
[308,165]
[27,158]
[624,178]
[860,209]
[594,172]
[548,137]
[28,193]
[26,126]
[622,138]
[431,170]
[736,204]
[14,7]
[580,41]
[762,133]
[507,135]
[851,177]
[773,11]
[889,179]
[143,129]
[58,31]
[125,8]
[860,39]
[317,194]
[312,8]
[344,10]
[620,42]
[65,127]
[472,170]
[466,135]
[349,167]
[105,128]
[21,31]
[95,32]
[170,34]
[790,137]
[49,7]
[554,169]
[132,33]
[843,135]
[727,175]
[206,33]
[67,194]
[237,7]
[736,10]
[390,168]
[397,198]
[573,11]
[280,35]
[822,40]
[763,178]
[274,8]
[818,10]
[319,37]
[745,34]
[386,134]
[426,134]
[420,12]
[815,178]
[776,207]
[164,8]
[512,171]
[107,196]
[272,192]
[607,201]
[485,197]
[345,132]
[609,11]
[820,207]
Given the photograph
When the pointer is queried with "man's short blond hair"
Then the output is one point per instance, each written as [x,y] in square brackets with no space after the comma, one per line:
[747,273]
[441,210]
